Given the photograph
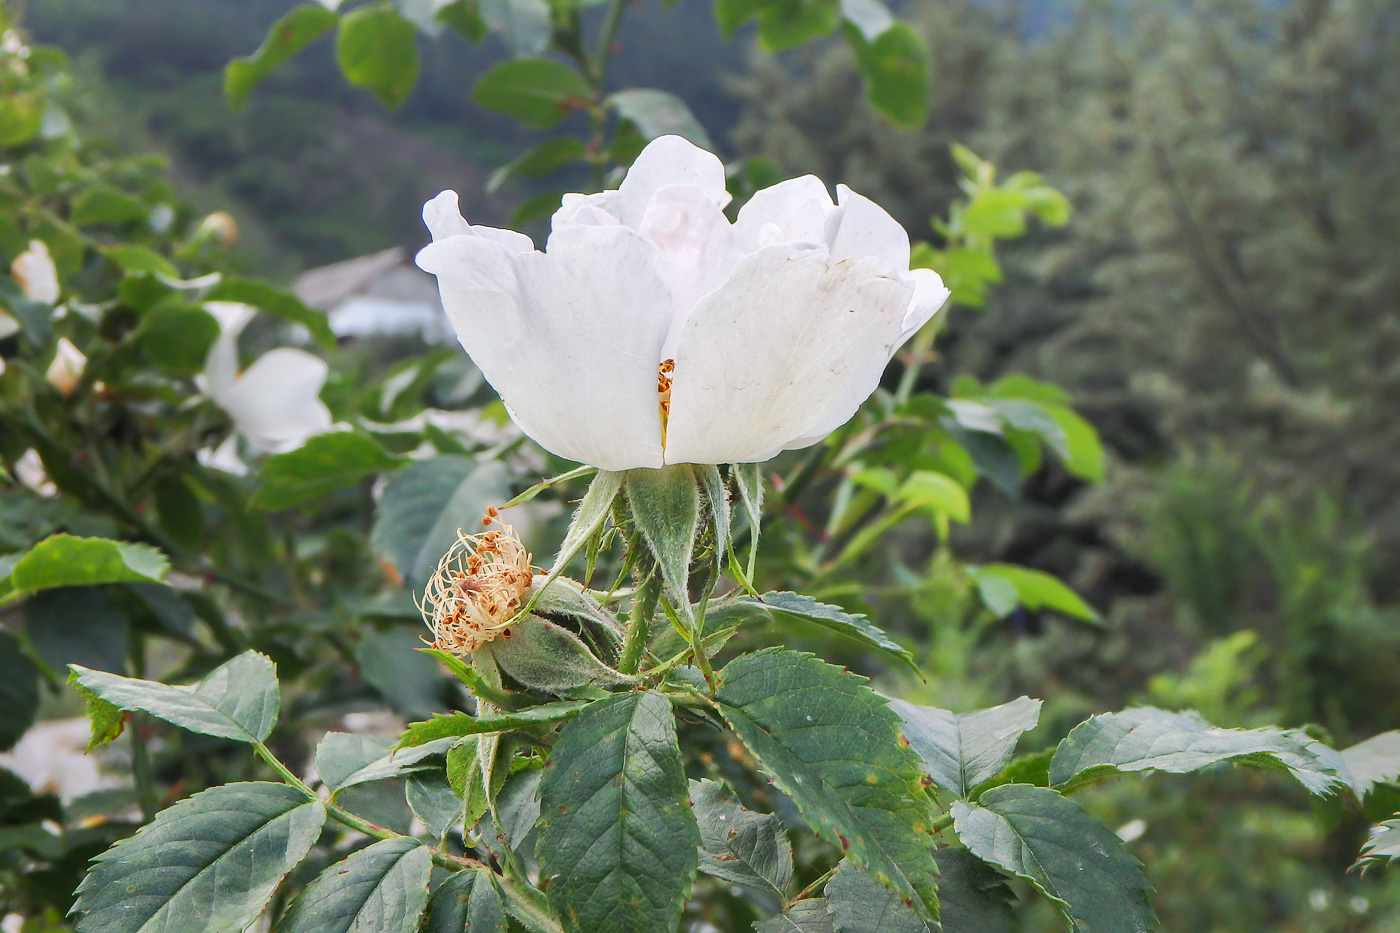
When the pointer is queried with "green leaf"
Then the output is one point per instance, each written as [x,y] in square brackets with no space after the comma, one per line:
[464,16]
[432,800]
[323,464]
[536,207]
[518,807]
[77,625]
[834,746]
[1035,589]
[379,889]
[538,160]
[1374,761]
[1382,845]
[836,619]
[276,302]
[665,506]
[740,845]
[135,260]
[105,720]
[21,117]
[288,35]
[345,759]
[860,904]
[443,725]
[659,113]
[528,906]
[961,751]
[237,700]
[468,902]
[617,840]
[1148,739]
[809,915]
[465,776]
[1083,455]
[102,203]
[375,49]
[425,503]
[66,560]
[937,493]
[177,337]
[392,664]
[783,24]
[974,898]
[1047,839]
[35,318]
[895,67]
[19,691]
[536,91]
[208,863]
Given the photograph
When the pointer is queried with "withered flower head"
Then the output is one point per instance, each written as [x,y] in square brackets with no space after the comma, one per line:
[479,586]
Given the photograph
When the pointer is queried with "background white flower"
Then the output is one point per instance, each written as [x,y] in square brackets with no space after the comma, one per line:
[33,270]
[654,331]
[67,366]
[275,402]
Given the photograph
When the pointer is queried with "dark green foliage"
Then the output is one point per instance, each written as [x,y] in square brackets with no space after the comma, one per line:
[220,854]
[832,744]
[617,838]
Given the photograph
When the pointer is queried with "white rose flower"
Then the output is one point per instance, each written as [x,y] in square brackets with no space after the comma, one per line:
[653,331]
[275,403]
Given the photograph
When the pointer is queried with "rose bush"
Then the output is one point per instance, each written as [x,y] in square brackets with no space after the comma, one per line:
[650,312]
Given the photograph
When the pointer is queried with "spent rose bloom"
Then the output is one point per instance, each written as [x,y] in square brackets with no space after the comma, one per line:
[653,331]
[275,403]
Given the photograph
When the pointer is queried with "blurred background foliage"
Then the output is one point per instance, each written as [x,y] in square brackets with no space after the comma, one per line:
[1220,304]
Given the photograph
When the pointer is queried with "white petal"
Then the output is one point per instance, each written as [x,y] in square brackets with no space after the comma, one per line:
[443,217]
[67,366]
[8,325]
[930,294]
[224,457]
[221,363]
[34,270]
[863,228]
[785,351]
[570,339]
[668,160]
[778,205]
[275,403]
[696,243]
[599,209]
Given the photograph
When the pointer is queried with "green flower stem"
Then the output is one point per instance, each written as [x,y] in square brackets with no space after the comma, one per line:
[805,892]
[639,623]
[942,823]
[140,751]
[697,648]
[355,822]
[141,767]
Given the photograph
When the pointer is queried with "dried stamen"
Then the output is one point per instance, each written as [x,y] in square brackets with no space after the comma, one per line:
[479,586]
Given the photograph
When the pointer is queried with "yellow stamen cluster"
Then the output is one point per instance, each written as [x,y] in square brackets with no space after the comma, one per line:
[479,586]
[663,392]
